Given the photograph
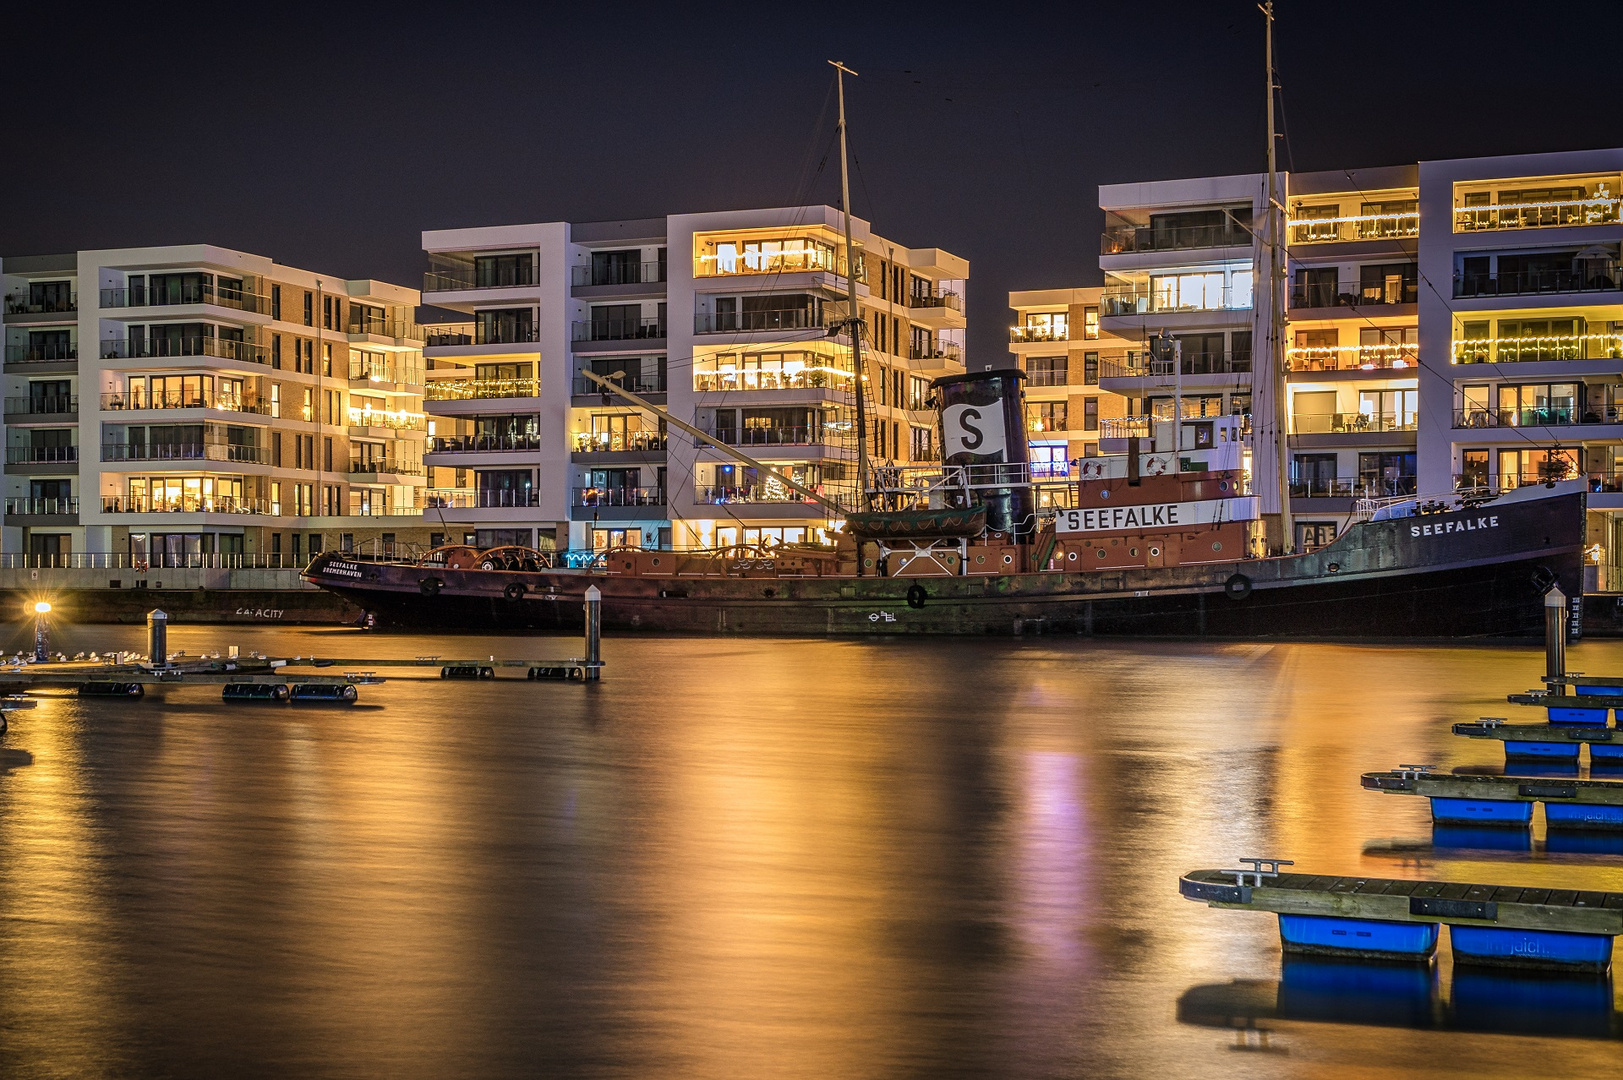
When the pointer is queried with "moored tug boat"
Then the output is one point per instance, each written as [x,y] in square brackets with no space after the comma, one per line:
[1161,539]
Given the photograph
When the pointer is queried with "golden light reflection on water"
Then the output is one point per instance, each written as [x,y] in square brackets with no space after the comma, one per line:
[732,859]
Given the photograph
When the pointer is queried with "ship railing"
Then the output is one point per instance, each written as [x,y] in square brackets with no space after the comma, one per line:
[157,560]
[1366,509]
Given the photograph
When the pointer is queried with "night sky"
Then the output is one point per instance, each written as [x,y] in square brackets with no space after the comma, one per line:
[328,138]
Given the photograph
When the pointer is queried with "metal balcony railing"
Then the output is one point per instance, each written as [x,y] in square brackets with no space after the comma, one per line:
[479,389]
[398,329]
[358,466]
[461,279]
[636,384]
[758,379]
[712,494]
[24,304]
[222,348]
[1603,278]
[186,451]
[1352,357]
[1122,239]
[495,500]
[385,418]
[445,499]
[1141,365]
[1350,423]
[1325,230]
[1049,332]
[949,301]
[1326,294]
[482,444]
[1352,487]
[619,329]
[1553,416]
[601,442]
[42,354]
[1140,300]
[186,504]
[743,322]
[1601,208]
[773,436]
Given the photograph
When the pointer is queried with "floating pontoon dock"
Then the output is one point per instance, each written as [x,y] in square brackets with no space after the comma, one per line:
[1458,799]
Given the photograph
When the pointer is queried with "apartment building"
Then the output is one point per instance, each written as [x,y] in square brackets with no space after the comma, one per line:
[729,320]
[1450,325]
[1057,340]
[195,405]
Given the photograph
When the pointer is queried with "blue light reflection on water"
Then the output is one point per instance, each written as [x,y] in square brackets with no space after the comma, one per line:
[798,858]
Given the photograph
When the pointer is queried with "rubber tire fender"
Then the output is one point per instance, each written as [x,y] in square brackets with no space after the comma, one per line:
[1237,587]
[514,591]
[916,596]
[430,586]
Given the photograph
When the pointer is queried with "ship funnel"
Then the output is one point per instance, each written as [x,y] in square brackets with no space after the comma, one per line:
[983,428]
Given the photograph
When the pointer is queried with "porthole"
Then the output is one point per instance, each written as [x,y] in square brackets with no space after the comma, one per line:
[1100,553]
[1154,552]
[1070,556]
[1133,552]
[1007,559]
[656,560]
[1217,545]
[980,558]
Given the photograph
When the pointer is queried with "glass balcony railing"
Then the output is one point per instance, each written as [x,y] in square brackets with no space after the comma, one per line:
[812,258]
[1139,300]
[1550,416]
[1600,208]
[1040,332]
[644,273]
[394,420]
[51,405]
[770,436]
[26,507]
[186,504]
[636,384]
[740,322]
[619,329]
[53,353]
[169,295]
[940,301]
[445,499]
[1141,365]
[1327,294]
[482,444]
[185,451]
[499,500]
[397,329]
[1123,239]
[1538,348]
[1599,278]
[1397,357]
[949,351]
[1352,487]
[464,278]
[479,389]
[810,378]
[41,455]
[1350,423]
[606,442]
[617,496]
[1326,230]
[222,348]
[198,399]
[714,494]
[384,466]
[26,304]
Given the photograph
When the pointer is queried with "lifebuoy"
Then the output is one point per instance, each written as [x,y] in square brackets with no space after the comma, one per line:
[430,586]
[515,591]
[916,596]
[1237,587]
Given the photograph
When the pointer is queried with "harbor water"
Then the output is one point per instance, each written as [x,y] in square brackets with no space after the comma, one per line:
[759,858]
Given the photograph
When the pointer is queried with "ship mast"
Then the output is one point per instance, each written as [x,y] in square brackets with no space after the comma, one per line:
[853,322]
[1276,306]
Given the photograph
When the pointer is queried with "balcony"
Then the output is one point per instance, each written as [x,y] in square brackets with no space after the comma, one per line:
[1126,238]
[607,442]
[1314,358]
[368,417]
[223,348]
[1352,487]
[810,378]
[647,273]
[1328,230]
[443,334]
[618,496]
[1060,332]
[1127,427]
[1141,365]
[54,405]
[1139,300]
[770,436]
[504,500]
[360,467]
[483,444]
[714,495]
[182,400]
[1556,211]
[619,330]
[186,451]
[54,353]
[186,504]
[444,499]
[172,295]
[1048,377]
[947,351]
[941,301]
[465,278]
[1538,348]
[1553,416]
[24,304]
[396,329]
[636,384]
[42,507]
[810,258]
[41,455]
[1353,294]
[742,322]
[1536,283]
[1352,423]
[479,389]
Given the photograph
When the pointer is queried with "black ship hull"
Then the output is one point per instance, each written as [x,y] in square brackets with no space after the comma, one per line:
[1474,573]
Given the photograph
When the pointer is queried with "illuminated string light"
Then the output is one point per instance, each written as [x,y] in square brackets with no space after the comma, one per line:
[1611,345]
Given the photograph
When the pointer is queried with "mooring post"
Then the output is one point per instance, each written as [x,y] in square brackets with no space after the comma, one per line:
[1555,639]
[594,633]
[42,632]
[157,637]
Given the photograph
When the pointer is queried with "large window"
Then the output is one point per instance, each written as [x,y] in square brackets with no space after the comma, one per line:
[1537,404]
[1049,461]
[1383,474]
[1045,416]
[1046,371]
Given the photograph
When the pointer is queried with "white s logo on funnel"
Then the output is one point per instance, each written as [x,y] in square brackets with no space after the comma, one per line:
[973,429]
